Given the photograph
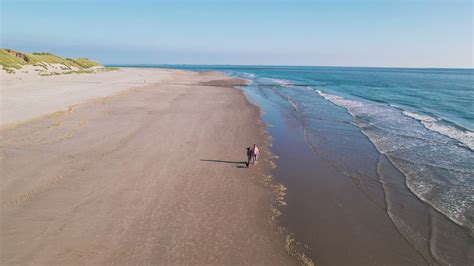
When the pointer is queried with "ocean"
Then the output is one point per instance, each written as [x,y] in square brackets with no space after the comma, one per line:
[419,121]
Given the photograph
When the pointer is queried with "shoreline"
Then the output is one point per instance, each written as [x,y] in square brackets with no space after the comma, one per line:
[343,196]
[300,251]
[194,205]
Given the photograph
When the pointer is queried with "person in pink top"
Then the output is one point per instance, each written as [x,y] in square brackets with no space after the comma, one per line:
[255,153]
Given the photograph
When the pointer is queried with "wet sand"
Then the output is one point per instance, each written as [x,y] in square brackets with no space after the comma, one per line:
[149,175]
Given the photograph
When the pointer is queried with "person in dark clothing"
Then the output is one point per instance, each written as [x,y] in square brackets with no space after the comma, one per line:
[249,156]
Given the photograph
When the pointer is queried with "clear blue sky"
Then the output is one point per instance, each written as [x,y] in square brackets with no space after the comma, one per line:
[404,33]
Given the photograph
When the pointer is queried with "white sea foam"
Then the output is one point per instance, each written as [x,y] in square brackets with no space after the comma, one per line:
[293,104]
[340,100]
[431,123]
[420,117]
[282,82]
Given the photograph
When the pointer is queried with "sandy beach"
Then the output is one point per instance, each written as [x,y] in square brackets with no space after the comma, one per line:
[137,166]
[26,95]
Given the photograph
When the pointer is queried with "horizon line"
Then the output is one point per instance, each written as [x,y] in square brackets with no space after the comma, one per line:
[251,65]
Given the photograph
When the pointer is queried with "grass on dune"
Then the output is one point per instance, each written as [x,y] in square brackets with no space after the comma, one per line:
[81,71]
[84,62]
[40,58]
[10,59]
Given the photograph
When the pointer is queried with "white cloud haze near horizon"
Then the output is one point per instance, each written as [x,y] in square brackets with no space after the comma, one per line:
[319,33]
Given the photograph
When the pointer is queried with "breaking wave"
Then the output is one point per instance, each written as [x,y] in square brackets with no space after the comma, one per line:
[463,136]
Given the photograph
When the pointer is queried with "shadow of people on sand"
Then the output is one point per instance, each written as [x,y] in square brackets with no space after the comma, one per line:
[240,164]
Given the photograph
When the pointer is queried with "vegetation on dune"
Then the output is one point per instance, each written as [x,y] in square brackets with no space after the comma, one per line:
[67,72]
[84,62]
[11,60]
[82,71]
[8,60]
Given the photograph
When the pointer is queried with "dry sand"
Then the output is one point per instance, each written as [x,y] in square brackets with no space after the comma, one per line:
[150,175]
[26,95]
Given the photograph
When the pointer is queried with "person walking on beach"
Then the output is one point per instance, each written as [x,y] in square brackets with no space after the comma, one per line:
[249,156]
[255,153]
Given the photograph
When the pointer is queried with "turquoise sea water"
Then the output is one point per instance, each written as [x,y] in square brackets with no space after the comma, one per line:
[421,119]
